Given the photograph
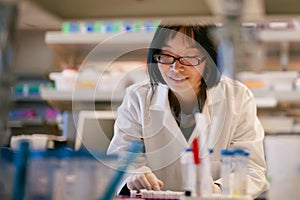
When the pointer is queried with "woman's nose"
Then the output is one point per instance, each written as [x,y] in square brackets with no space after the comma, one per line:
[177,66]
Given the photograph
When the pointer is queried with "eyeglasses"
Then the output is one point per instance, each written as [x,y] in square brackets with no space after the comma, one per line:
[186,60]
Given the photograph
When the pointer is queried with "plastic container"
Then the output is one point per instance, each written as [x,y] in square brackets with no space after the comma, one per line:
[88,174]
[63,174]
[206,183]
[240,179]
[188,171]
[64,80]
[42,165]
[36,141]
[226,169]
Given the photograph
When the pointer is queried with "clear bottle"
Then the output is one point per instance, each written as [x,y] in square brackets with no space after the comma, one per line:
[42,165]
[240,178]
[188,169]
[226,171]
[207,181]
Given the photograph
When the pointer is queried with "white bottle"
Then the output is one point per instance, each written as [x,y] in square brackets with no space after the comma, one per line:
[240,178]
[207,181]
[188,169]
[226,171]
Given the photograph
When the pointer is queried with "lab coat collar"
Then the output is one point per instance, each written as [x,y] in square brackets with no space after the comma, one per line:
[160,100]
[215,95]
[207,120]
[160,103]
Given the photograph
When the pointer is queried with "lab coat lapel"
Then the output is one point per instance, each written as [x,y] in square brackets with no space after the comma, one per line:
[210,121]
[160,112]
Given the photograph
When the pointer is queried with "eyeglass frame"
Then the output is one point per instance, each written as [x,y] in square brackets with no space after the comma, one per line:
[200,60]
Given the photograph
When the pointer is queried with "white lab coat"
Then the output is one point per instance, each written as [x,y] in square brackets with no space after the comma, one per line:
[147,117]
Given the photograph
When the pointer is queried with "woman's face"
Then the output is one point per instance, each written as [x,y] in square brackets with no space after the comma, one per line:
[181,78]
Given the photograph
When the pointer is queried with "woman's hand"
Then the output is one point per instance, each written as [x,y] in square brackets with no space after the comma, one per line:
[144,181]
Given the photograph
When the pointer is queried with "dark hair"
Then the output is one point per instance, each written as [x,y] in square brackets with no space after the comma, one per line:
[199,33]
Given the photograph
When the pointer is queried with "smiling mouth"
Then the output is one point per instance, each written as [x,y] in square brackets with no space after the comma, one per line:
[178,79]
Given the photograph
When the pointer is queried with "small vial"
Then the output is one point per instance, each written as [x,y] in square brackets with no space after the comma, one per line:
[188,171]
[226,157]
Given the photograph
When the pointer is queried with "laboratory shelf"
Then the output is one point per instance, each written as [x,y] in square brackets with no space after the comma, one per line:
[290,96]
[89,95]
[29,98]
[57,37]
[279,35]
[82,99]
[77,47]
[81,44]
[266,102]
[35,121]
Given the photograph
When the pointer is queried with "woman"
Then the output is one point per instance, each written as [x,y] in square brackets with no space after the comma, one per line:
[164,114]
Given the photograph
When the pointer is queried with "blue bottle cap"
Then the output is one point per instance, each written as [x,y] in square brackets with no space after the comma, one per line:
[188,149]
[241,152]
[226,152]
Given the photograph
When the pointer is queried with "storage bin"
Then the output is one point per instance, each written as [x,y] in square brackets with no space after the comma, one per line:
[66,174]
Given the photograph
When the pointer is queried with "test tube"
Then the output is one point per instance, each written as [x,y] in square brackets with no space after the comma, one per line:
[188,171]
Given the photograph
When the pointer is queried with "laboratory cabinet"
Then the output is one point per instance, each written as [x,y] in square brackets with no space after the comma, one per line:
[29,113]
[116,59]
[275,83]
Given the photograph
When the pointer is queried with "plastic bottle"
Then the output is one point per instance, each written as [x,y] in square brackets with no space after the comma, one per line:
[40,174]
[240,181]
[226,169]
[206,183]
[188,171]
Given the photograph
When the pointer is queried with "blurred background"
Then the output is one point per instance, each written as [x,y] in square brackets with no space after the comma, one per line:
[66,63]
[54,42]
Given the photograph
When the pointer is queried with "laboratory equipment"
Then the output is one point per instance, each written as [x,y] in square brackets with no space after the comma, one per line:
[240,178]
[236,42]
[20,176]
[197,162]
[94,130]
[283,166]
[188,171]
[40,175]
[64,174]
[226,169]
[207,181]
